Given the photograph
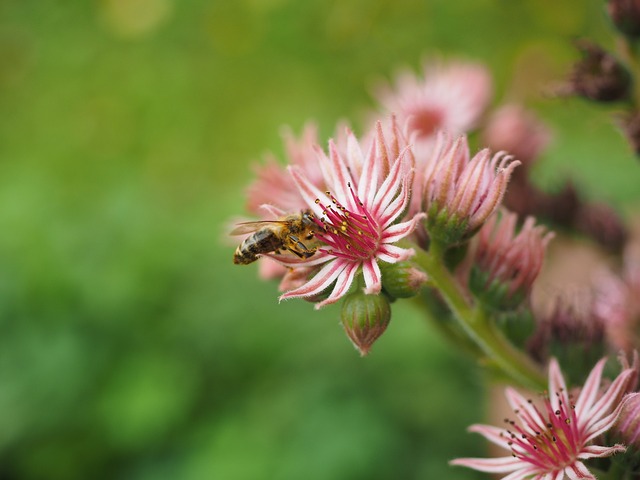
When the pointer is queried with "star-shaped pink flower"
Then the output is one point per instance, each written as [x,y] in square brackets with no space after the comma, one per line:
[358,216]
[551,442]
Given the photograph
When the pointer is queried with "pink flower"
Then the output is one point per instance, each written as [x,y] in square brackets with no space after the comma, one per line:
[550,442]
[459,193]
[449,97]
[617,304]
[515,130]
[358,215]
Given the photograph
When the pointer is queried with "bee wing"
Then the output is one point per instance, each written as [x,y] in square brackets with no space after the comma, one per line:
[250,227]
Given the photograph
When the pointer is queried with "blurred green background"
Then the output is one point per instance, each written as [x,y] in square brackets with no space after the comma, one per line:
[130,346]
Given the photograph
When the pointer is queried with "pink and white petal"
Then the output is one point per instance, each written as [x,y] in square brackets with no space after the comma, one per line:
[355,158]
[559,475]
[369,178]
[495,435]
[372,276]
[307,189]
[612,395]
[592,430]
[294,262]
[272,210]
[391,184]
[398,231]
[526,410]
[392,254]
[577,471]
[525,474]
[320,281]
[388,152]
[590,390]
[490,465]
[469,183]
[398,205]
[596,451]
[556,383]
[268,269]
[344,281]
[341,178]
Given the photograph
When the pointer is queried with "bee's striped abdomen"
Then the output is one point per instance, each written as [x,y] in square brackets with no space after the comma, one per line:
[262,241]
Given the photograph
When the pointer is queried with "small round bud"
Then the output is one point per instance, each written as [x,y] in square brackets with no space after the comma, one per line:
[625,15]
[628,424]
[364,318]
[402,279]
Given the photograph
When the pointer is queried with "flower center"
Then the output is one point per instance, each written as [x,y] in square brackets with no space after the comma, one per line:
[425,122]
[353,235]
[551,446]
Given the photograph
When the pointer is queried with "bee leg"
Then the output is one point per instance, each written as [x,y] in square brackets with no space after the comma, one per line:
[309,252]
[299,255]
[300,249]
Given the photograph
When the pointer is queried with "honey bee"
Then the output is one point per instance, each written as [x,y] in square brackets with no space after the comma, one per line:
[286,233]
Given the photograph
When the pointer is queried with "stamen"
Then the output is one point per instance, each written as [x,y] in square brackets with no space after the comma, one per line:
[351,234]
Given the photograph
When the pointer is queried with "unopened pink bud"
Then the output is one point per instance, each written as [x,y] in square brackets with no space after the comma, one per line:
[461,193]
[508,261]
[628,423]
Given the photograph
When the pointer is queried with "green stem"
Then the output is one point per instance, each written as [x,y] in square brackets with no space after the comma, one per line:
[491,341]
[441,319]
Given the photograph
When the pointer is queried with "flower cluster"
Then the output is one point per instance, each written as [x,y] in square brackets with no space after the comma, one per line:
[448,97]
[617,304]
[410,209]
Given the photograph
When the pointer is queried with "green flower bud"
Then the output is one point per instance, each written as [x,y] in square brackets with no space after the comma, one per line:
[402,279]
[517,325]
[493,293]
[446,228]
[364,318]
